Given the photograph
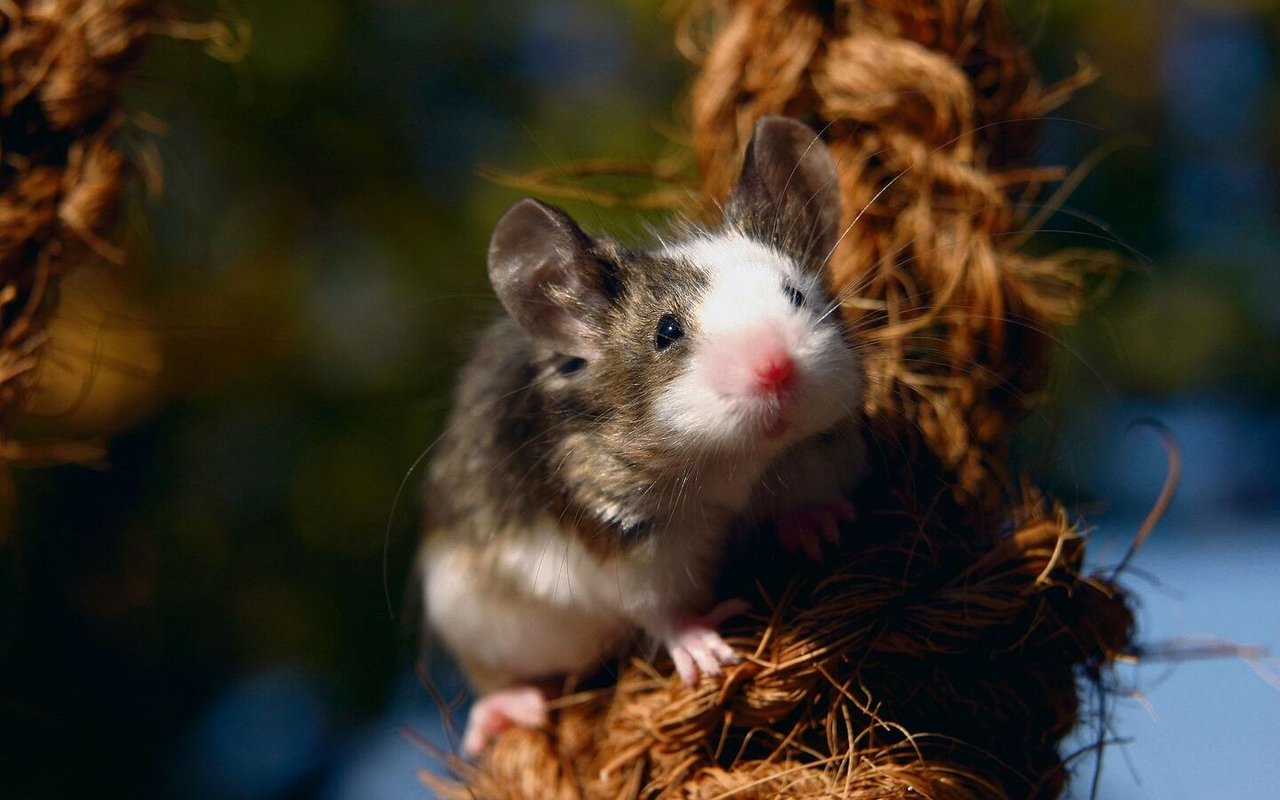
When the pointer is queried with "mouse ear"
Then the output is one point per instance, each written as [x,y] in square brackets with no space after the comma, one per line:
[789,186]
[545,271]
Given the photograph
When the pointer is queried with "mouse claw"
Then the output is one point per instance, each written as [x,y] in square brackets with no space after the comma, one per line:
[697,649]
[804,529]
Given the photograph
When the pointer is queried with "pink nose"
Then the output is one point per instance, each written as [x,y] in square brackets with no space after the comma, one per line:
[775,373]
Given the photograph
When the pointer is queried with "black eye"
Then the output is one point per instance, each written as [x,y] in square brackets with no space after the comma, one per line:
[794,295]
[669,331]
[571,365]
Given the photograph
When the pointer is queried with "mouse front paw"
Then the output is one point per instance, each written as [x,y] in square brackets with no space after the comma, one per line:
[696,647]
[804,529]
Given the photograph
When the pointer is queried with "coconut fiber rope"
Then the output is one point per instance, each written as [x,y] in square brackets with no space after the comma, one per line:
[930,109]
[941,653]
[63,171]
[61,177]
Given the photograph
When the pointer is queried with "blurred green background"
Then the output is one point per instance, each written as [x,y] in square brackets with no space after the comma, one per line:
[206,617]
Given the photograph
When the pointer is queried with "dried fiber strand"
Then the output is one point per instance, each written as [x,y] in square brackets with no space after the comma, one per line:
[62,172]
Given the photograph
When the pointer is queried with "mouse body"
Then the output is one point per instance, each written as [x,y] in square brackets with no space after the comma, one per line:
[631,411]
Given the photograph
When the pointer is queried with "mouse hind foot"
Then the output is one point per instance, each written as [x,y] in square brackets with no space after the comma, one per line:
[516,706]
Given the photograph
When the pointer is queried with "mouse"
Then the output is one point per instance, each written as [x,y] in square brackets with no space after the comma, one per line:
[629,413]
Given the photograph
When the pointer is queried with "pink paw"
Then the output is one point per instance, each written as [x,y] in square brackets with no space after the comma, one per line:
[803,530]
[697,649]
[523,706]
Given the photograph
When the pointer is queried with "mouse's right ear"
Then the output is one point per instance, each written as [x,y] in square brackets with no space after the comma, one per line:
[545,271]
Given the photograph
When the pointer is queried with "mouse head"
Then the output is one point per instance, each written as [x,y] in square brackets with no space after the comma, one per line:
[722,342]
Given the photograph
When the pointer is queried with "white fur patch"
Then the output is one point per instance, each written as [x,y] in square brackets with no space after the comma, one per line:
[540,603]
[522,610]
[746,294]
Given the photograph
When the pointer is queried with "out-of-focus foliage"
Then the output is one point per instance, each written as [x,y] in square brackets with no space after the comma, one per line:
[315,268]
[1194,85]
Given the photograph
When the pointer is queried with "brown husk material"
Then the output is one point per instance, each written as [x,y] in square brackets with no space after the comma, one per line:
[63,172]
[940,652]
[61,177]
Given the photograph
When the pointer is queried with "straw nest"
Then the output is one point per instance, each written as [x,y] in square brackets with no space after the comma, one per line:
[63,169]
[940,653]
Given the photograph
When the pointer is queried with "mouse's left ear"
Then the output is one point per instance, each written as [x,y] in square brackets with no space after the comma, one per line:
[789,187]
